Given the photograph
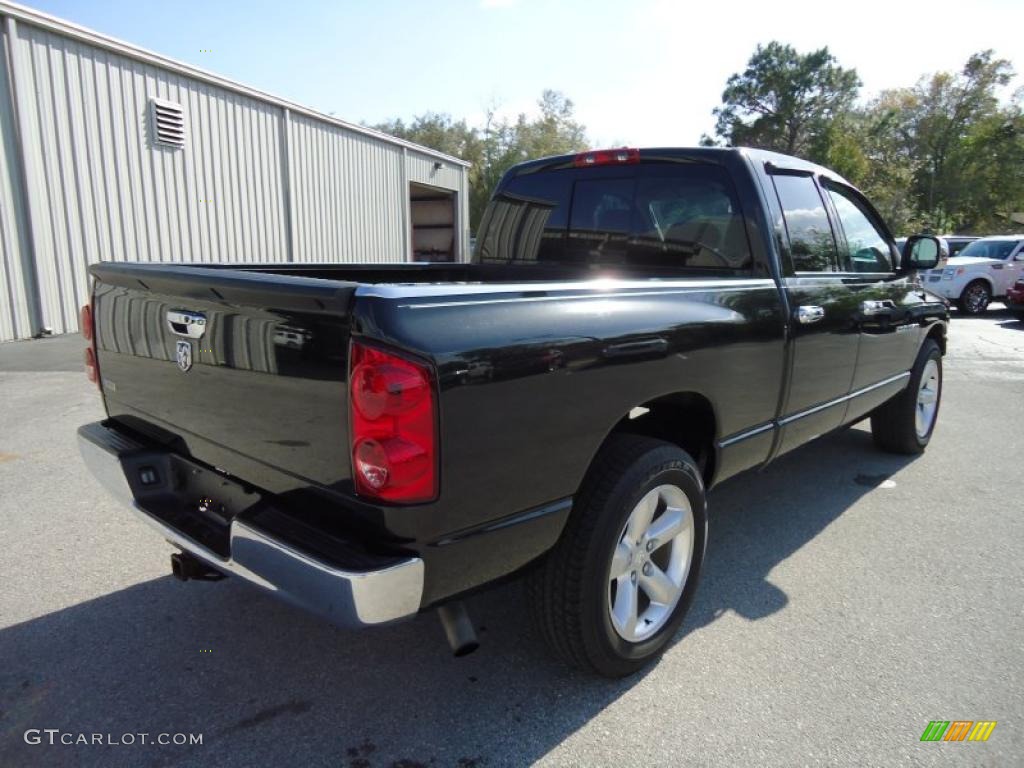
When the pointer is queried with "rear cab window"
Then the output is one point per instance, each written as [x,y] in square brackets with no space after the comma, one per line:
[812,243]
[683,216]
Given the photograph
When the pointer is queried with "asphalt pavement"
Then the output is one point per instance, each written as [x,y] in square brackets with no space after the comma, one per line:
[849,598]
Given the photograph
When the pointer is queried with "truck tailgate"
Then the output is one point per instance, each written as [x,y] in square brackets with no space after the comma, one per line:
[245,370]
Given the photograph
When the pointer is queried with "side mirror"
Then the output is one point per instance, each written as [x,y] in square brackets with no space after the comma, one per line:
[921,252]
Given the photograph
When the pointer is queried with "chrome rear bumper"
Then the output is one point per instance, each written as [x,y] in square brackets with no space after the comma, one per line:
[349,598]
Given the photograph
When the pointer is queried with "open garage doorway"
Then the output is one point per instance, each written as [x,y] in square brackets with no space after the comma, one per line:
[432,220]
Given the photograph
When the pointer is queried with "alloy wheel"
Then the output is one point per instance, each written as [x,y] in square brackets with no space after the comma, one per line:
[650,563]
[977,298]
[927,398]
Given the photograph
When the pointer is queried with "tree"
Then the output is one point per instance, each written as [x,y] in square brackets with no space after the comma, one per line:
[437,131]
[990,163]
[555,132]
[785,100]
[943,155]
[952,129]
[498,144]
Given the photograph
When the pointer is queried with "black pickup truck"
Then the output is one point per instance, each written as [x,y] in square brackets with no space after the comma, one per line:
[370,441]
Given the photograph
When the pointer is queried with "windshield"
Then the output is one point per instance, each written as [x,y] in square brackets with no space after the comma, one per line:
[989,249]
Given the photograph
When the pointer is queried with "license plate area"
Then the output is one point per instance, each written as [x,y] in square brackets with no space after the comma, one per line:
[190,498]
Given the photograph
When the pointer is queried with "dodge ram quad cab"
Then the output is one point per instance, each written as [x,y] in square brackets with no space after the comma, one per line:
[372,441]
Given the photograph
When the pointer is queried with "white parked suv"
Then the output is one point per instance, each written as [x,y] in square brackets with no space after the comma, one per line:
[982,271]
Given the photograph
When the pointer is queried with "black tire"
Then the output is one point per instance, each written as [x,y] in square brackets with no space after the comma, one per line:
[568,592]
[975,298]
[894,424]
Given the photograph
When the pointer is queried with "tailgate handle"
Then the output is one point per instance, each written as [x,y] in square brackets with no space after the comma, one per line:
[184,323]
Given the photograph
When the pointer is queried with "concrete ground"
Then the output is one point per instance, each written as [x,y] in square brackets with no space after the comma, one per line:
[850,597]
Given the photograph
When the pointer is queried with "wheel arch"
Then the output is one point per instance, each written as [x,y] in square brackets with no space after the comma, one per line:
[685,418]
[979,278]
[937,332]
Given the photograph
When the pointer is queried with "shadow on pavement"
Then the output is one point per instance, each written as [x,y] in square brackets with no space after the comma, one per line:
[994,312]
[759,519]
[267,684]
[1013,321]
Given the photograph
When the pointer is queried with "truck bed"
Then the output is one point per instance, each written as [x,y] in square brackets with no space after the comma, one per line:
[271,370]
[463,273]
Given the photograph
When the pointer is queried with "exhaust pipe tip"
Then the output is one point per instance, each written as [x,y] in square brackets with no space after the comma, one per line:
[184,567]
[458,628]
[178,568]
[465,649]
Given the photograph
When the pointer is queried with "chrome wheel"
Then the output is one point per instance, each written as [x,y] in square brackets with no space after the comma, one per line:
[976,298]
[927,398]
[650,563]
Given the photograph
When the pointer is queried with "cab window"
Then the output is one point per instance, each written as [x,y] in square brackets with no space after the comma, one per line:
[685,217]
[866,249]
[525,222]
[811,244]
[671,216]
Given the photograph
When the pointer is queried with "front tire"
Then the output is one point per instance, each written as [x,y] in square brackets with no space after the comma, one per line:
[613,592]
[905,423]
[975,298]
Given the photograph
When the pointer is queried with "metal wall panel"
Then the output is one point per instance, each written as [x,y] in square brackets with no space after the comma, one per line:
[16,295]
[258,180]
[346,195]
[106,191]
[421,169]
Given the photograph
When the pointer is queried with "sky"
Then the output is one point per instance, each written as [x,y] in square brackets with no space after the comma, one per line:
[643,73]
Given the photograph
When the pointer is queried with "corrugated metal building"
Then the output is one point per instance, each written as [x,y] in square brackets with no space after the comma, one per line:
[110,152]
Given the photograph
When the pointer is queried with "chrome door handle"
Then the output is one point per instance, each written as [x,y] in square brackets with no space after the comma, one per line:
[872,307]
[808,315]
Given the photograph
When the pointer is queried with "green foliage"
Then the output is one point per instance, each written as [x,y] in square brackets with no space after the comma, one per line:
[955,141]
[497,145]
[784,100]
[943,155]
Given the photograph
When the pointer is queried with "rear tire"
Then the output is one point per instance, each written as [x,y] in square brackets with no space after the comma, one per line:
[905,424]
[975,298]
[588,596]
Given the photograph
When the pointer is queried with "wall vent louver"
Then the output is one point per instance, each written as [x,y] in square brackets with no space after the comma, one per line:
[167,120]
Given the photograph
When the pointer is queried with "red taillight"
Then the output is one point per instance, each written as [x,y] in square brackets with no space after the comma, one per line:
[91,370]
[607,157]
[394,434]
[85,324]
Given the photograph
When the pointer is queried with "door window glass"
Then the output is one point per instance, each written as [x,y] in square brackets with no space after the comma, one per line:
[866,247]
[811,244]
